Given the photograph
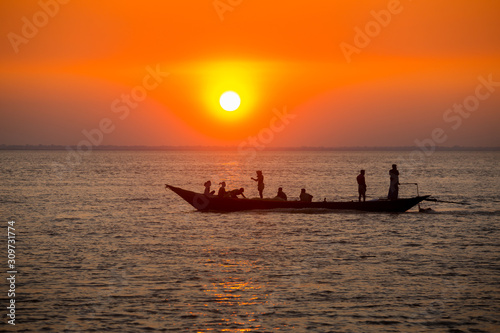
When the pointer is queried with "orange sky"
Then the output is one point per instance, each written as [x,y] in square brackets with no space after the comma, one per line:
[66,69]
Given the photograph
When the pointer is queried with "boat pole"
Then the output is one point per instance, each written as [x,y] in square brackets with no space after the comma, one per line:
[445,201]
[432,199]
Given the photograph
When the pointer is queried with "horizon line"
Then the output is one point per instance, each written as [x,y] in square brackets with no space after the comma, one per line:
[235,148]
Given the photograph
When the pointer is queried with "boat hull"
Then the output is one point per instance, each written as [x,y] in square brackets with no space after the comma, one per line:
[212,203]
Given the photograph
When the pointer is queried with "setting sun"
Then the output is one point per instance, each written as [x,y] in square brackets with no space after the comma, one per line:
[230,101]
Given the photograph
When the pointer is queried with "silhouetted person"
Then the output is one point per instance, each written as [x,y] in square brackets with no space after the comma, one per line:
[222,190]
[260,182]
[305,196]
[394,185]
[235,193]
[361,185]
[207,188]
[281,194]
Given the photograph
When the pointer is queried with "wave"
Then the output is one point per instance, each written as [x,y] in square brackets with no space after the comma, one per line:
[139,199]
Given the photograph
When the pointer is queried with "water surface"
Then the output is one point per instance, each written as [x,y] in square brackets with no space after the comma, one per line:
[103,247]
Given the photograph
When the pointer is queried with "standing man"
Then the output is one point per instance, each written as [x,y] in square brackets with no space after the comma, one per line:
[361,185]
[394,185]
[260,182]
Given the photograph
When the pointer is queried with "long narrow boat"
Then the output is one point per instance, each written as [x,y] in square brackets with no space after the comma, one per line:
[214,203]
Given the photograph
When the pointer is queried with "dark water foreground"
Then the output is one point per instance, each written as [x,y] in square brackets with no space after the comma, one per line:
[106,248]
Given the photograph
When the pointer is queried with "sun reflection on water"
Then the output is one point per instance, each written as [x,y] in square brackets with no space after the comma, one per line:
[238,302]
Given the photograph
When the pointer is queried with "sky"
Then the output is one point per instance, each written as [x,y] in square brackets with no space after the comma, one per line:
[309,73]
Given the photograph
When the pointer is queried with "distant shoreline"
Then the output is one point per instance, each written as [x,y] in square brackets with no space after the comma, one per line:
[234,148]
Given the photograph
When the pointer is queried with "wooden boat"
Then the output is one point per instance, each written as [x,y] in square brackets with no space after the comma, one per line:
[214,203]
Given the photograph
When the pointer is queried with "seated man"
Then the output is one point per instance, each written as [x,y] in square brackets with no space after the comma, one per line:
[235,193]
[281,194]
[222,190]
[207,188]
[305,196]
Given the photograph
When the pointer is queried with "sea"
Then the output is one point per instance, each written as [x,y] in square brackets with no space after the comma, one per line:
[101,246]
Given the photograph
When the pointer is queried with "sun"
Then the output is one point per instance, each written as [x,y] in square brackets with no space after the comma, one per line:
[230,101]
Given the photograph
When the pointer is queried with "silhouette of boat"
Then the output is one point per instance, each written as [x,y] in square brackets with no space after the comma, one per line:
[214,203]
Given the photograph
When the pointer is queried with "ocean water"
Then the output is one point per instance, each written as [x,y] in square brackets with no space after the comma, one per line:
[101,246]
